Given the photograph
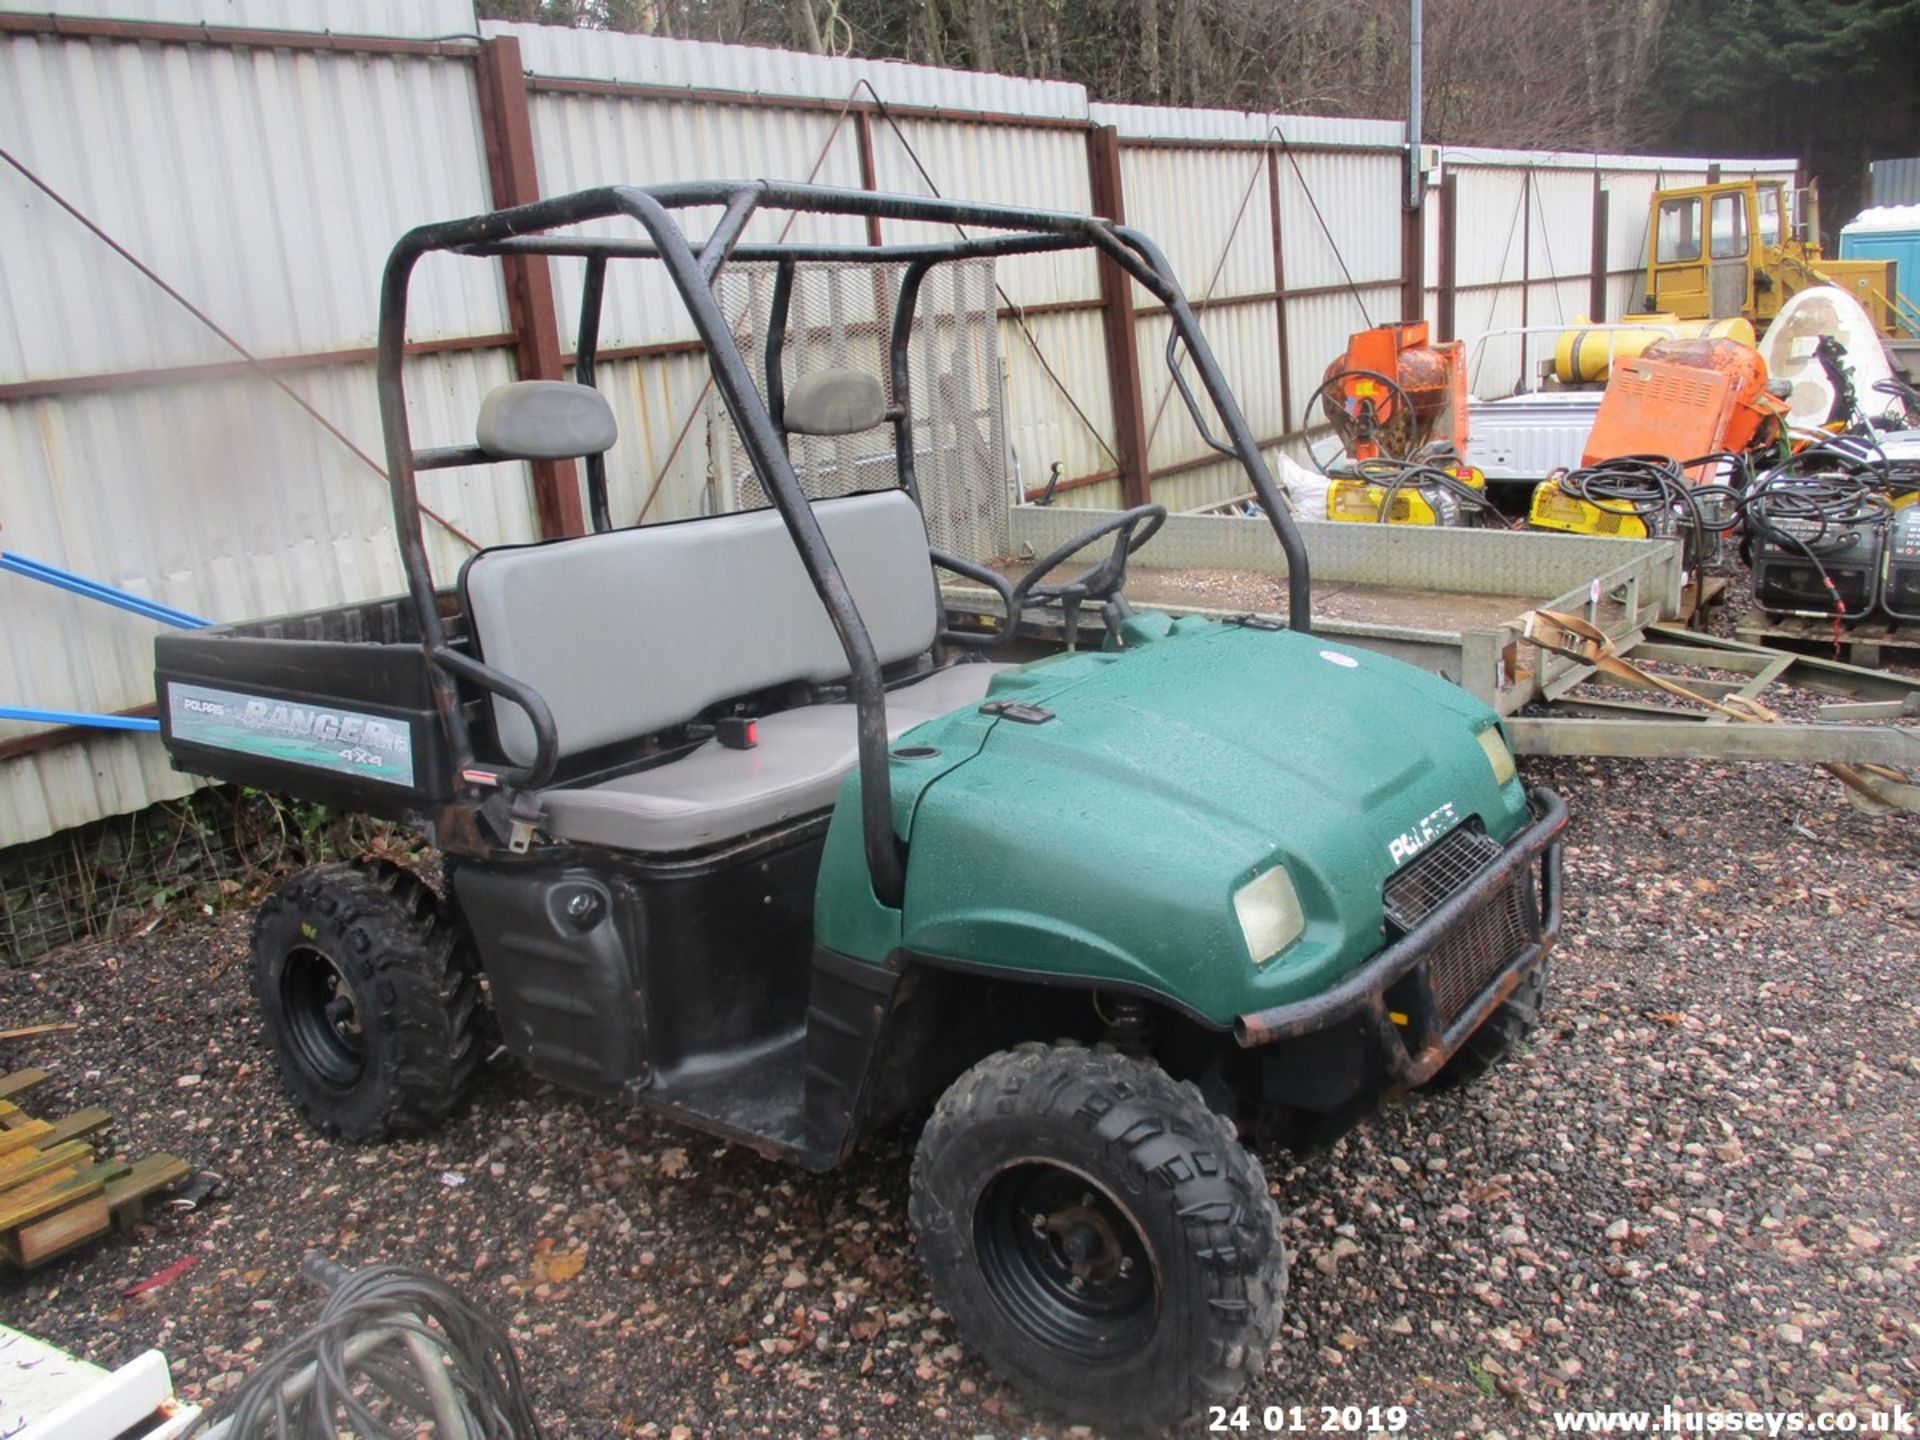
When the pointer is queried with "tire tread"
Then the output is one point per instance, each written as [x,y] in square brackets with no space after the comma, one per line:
[421,984]
[1214,1189]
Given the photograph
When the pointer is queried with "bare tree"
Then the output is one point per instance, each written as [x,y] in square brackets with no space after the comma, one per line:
[1504,72]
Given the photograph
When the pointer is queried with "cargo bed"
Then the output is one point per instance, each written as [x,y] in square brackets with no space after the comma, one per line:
[333,706]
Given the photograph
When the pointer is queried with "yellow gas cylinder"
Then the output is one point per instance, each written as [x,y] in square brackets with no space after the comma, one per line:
[1583,354]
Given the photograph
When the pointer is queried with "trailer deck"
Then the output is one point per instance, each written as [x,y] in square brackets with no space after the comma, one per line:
[1353,603]
[1458,602]
[1452,601]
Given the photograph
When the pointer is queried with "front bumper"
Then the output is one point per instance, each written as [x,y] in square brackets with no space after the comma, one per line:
[1392,996]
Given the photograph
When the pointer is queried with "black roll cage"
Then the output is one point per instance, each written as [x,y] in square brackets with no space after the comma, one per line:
[693,269]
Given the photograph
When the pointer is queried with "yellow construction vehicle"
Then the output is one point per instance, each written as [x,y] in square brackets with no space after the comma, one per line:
[1741,247]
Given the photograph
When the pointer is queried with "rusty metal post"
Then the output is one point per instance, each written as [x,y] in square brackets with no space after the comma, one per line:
[1117,323]
[1448,308]
[1280,293]
[1413,265]
[869,166]
[1597,289]
[506,121]
[1413,259]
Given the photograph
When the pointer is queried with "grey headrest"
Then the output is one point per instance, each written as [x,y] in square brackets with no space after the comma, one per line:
[835,402]
[545,420]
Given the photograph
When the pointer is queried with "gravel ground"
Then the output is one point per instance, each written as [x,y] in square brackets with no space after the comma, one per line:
[1698,1187]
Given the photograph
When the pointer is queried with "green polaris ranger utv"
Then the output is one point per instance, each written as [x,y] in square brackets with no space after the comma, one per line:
[741,826]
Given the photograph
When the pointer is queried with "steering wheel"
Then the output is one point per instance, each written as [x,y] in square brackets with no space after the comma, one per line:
[1361,419]
[1100,583]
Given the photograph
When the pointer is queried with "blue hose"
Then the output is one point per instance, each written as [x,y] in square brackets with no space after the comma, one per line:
[107,595]
[78,717]
[97,590]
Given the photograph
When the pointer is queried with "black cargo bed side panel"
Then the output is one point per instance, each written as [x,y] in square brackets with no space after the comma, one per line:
[351,725]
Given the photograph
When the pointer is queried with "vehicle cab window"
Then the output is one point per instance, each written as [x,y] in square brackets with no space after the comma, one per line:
[1729,240]
[1678,234]
[1771,227]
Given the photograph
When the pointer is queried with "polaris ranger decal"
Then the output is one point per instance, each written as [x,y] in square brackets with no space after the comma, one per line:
[1403,848]
[347,742]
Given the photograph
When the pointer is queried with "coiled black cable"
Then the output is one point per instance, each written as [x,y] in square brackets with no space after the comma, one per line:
[1908,396]
[1656,490]
[1815,514]
[332,1380]
[1854,456]
[1812,504]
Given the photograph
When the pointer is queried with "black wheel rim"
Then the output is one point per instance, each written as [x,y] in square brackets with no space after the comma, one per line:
[1066,1261]
[323,1022]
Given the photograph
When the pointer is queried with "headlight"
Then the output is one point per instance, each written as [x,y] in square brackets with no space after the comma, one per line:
[1270,914]
[1498,755]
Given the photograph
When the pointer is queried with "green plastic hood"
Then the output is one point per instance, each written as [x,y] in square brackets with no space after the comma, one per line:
[1108,840]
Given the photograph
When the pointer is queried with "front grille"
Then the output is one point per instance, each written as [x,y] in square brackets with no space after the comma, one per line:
[1470,954]
[1422,885]
[1476,950]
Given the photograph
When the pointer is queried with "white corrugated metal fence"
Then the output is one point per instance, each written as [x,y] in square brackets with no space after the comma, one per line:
[263,155]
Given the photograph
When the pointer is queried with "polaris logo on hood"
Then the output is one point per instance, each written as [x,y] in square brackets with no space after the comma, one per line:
[1403,848]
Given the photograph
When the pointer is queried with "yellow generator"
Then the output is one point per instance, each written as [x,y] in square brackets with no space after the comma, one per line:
[1376,494]
[1554,509]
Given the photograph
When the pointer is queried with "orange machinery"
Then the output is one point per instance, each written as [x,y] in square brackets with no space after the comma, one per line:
[1396,396]
[1394,391]
[1681,399]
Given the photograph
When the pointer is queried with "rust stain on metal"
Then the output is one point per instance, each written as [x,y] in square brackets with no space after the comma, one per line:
[1118,322]
[507,124]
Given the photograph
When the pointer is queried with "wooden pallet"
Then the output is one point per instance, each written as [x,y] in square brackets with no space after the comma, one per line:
[1871,643]
[55,1192]
[1690,595]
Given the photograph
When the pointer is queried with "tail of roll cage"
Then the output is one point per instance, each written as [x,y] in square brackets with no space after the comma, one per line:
[693,268]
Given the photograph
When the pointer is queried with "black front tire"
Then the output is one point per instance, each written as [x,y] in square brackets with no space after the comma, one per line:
[369,1000]
[1499,1036]
[1099,1235]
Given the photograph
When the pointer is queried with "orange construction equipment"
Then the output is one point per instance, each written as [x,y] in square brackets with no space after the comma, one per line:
[1394,391]
[1682,399]
[1660,407]
[1757,415]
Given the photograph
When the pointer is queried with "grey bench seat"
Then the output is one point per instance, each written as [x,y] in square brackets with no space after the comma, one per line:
[632,632]
[716,794]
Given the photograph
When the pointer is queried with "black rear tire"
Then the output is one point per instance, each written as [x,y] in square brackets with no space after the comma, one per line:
[369,999]
[1099,1235]
[1499,1036]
